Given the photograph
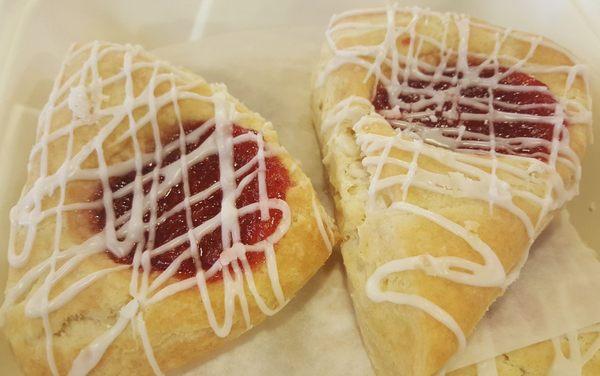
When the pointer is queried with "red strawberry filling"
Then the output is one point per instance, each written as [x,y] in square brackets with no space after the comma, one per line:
[201,176]
[515,111]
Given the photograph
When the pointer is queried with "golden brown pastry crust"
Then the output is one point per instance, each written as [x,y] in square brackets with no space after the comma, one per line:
[178,328]
[401,339]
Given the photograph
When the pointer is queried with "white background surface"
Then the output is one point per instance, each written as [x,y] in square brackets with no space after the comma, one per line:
[34,35]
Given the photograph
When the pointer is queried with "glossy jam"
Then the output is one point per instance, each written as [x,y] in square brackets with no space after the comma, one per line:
[201,176]
[529,102]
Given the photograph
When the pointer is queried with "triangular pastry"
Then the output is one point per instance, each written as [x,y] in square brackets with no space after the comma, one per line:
[160,219]
[449,143]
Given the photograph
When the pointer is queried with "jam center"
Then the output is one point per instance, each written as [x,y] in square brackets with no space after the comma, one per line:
[518,111]
[171,223]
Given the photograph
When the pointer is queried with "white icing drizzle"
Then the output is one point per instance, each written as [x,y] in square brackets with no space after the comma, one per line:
[82,93]
[482,174]
[561,364]
[574,363]
[324,227]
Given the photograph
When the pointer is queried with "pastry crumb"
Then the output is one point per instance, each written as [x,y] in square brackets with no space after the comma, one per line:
[592,207]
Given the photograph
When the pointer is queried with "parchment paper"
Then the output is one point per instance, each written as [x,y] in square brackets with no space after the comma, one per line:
[559,288]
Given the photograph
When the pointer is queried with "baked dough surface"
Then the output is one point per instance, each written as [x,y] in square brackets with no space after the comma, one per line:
[404,338]
[177,327]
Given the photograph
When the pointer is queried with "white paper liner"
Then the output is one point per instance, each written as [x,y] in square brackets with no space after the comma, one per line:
[559,288]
